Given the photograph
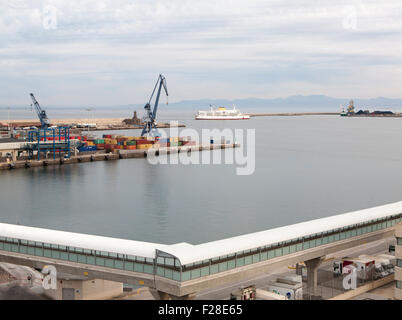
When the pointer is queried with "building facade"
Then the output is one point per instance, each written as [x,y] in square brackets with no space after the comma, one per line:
[398,256]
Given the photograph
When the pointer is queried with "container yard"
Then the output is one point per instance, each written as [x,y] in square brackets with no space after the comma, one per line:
[85,148]
[111,143]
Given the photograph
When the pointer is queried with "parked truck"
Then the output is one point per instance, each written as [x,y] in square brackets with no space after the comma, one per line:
[384,264]
[364,266]
[292,290]
[267,295]
[244,293]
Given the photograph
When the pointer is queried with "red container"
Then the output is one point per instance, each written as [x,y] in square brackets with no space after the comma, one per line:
[143,141]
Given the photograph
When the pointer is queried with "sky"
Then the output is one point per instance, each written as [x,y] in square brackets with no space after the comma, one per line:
[110,52]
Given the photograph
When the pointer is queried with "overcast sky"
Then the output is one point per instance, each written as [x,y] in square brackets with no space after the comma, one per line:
[110,52]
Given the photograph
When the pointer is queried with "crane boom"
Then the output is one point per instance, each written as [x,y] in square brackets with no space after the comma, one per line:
[150,123]
[44,121]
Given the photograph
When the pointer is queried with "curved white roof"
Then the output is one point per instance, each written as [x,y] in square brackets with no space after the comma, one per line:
[188,253]
[80,240]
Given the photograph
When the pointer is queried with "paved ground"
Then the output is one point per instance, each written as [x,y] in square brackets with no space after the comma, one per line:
[261,281]
[383,293]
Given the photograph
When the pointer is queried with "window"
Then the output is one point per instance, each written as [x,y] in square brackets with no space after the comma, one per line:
[148,269]
[231,264]
[239,262]
[215,268]
[169,274]
[399,263]
[160,271]
[256,258]
[195,273]
[399,241]
[278,252]
[104,254]
[138,267]
[204,271]
[169,261]
[129,266]
[176,275]
[185,276]
[399,284]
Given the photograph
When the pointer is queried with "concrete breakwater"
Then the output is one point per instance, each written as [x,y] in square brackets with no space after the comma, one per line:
[121,154]
[293,114]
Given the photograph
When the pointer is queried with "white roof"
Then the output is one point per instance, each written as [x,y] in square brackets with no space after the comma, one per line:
[80,240]
[188,253]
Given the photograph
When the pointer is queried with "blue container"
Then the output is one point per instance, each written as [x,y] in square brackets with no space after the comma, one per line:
[87,148]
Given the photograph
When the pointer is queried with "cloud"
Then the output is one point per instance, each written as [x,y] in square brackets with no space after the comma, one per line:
[107,51]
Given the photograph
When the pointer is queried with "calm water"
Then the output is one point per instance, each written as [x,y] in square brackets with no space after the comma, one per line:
[306,168]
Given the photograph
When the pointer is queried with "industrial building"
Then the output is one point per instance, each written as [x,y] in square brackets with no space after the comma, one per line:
[398,267]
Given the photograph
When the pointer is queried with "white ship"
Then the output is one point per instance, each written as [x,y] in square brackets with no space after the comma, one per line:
[221,113]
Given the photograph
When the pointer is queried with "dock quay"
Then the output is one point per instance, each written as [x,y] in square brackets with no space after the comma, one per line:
[292,114]
[119,154]
[99,124]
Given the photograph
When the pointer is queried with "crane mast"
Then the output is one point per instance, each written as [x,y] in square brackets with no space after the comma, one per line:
[149,119]
[44,121]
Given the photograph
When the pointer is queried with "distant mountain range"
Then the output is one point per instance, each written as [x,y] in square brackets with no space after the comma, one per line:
[294,102]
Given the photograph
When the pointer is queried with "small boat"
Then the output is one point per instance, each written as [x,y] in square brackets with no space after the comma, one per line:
[221,113]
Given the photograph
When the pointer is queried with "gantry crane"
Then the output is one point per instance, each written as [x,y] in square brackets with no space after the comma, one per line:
[149,119]
[44,121]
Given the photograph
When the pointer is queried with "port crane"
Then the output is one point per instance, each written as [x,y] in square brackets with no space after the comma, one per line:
[44,120]
[150,123]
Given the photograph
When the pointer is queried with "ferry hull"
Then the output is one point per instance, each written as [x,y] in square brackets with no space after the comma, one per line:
[222,118]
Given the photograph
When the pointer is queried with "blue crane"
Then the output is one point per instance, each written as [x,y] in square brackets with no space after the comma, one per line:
[44,121]
[149,119]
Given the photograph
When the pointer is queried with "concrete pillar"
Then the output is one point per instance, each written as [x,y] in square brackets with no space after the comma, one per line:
[312,274]
[14,154]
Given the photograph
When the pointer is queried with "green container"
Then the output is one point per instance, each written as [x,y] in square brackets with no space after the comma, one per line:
[131,143]
[99,141]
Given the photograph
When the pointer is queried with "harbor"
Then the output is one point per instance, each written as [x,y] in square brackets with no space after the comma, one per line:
[101,155]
